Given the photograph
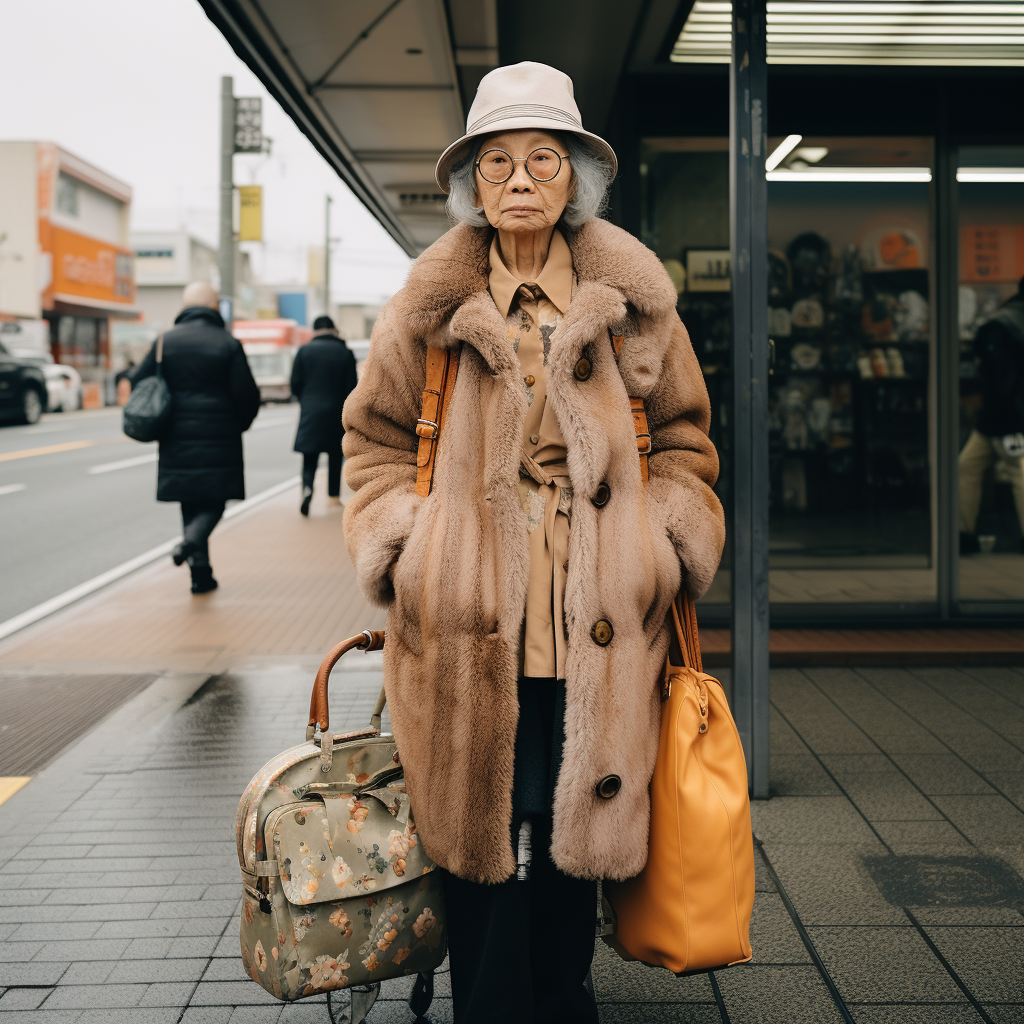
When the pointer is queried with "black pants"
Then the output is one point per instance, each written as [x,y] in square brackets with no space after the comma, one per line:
[199,518]
[520,950]
[309,461]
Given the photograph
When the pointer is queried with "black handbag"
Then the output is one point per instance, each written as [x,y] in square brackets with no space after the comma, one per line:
[148,410]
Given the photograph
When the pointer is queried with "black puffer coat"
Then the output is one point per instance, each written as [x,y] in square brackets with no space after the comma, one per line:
[999,346]
[323,376]
[214,399]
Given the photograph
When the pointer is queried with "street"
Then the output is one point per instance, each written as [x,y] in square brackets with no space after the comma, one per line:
[77,497]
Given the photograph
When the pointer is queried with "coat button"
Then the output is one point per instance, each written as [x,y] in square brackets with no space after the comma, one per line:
[609,786]
[581,371]
[534,439]
[530,380]
[601,495]
[601,632]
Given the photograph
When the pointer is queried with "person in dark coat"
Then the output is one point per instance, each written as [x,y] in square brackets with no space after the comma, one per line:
[323,376]
[998,434]
[214,399]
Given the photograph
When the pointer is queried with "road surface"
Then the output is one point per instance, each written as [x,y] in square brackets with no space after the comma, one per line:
[77,498]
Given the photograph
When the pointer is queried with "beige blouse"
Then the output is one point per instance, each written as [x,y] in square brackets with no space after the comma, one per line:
[532,310]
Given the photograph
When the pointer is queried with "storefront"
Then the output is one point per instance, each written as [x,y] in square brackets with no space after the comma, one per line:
[86,267]
[837,190]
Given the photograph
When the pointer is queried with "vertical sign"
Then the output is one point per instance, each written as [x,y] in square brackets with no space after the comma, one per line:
[248,124]
[250,218]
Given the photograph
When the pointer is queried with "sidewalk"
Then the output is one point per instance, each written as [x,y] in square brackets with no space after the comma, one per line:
[890,888]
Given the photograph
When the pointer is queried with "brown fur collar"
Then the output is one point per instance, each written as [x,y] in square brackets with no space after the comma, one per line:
[453,272]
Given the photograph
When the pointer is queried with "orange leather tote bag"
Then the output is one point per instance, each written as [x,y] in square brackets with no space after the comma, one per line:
[689,909]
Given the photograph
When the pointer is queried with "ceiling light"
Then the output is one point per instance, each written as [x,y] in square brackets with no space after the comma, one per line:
[893,32]
[812,154]
[784,148]
[993,174]
[846,174]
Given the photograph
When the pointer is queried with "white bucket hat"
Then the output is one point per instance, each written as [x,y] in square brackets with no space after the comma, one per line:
[526,95]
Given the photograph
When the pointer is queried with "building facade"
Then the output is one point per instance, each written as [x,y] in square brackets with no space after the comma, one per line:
[65,256]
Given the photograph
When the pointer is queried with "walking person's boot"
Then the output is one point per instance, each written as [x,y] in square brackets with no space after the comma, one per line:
[307,497]
[202,576]
[183,552]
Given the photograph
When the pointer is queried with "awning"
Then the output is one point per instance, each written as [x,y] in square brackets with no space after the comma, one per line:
[381,87]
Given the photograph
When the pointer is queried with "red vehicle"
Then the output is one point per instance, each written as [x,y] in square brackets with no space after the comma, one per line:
[270,347]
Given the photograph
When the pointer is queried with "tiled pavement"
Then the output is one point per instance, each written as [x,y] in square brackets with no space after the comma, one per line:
[896,825]
[896,830]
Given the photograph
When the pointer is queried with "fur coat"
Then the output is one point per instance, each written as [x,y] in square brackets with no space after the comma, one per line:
[452,567]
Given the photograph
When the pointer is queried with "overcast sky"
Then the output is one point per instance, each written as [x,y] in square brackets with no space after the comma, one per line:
[133,86]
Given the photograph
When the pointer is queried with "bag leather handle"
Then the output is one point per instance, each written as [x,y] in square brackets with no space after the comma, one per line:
[319,712]
[684,616]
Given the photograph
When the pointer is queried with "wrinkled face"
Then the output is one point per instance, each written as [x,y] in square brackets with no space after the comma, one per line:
[522,204]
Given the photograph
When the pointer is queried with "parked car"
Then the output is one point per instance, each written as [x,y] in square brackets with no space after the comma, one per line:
[23,391]
[63,383]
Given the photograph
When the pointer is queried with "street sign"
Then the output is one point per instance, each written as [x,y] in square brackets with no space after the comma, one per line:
[248,124]
[250,215]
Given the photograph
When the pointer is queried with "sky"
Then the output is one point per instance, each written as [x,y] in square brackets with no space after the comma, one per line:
[133,86]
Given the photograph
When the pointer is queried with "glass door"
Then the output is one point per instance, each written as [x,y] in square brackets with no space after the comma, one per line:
[853,498]
[991,333]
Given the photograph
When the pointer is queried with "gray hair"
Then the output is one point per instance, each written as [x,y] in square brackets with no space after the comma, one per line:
[591,179]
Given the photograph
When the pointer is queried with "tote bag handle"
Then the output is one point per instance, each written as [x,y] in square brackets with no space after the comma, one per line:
[684,616]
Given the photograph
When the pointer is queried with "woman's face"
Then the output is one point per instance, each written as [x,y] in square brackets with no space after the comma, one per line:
[522,204]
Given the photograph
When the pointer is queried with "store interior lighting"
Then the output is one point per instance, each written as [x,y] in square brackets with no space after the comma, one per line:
[991,174]
[782,150]
[889,32]
[835,174]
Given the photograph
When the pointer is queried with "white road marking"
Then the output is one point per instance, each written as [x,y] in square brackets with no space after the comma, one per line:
[55,604]
[138,460]
[12,488]
[280,421]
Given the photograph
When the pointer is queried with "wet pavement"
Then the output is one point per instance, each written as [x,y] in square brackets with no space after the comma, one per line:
[889,888]
[890,865]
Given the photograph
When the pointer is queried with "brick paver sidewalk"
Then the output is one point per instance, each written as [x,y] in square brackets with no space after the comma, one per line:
[891,884]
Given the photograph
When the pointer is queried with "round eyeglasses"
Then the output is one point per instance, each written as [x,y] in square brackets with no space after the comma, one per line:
[497,166]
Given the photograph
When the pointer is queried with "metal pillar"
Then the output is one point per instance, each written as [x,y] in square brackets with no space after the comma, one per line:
[226,248]
[327,257]
[748,210]
[947,353]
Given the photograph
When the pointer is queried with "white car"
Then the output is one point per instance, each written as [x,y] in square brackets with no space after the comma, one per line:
[63,383]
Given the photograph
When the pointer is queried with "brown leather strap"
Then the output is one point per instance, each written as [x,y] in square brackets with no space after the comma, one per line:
[684,615]
[643,435]
[319,714]
[636,405]
[442,368]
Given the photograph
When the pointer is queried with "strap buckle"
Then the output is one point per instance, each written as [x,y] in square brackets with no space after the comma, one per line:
[427,429]
[644,448]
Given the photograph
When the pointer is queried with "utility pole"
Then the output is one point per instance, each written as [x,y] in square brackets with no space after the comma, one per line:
[226,253]
[327,257]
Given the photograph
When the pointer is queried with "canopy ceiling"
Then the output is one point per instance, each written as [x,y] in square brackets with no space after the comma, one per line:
[381,87]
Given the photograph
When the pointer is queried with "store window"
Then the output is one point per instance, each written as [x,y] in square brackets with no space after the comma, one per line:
[991,331]
[851,421]
[79,341]
[685,210]
[852,493]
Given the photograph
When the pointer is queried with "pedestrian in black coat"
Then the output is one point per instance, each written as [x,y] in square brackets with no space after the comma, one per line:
[323,376]
[214,399]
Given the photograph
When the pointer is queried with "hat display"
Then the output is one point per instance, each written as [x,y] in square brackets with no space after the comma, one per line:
[525,95]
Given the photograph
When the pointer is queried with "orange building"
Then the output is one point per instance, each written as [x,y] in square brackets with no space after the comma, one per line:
[64,255]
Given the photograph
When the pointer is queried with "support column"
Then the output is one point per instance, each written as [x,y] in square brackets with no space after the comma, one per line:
[947,354]
[226,246]
[748,208]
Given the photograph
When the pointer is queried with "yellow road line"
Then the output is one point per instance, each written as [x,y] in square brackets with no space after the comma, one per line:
[10,785]
[50,449]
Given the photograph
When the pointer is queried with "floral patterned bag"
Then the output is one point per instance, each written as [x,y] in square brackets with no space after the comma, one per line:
[338,890]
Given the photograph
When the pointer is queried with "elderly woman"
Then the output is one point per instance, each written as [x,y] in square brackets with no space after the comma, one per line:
[528,590]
